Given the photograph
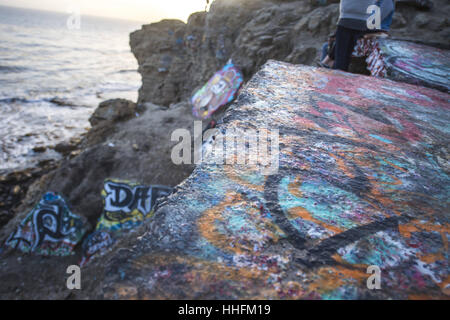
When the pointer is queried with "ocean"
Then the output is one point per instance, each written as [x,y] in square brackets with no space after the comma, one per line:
[53,76]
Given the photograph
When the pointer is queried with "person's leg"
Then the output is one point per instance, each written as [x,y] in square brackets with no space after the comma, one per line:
[345,44]
[331,50]
[324,51]
[326,63]
[325,60]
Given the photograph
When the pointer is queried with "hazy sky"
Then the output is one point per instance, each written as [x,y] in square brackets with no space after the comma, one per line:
[140,10]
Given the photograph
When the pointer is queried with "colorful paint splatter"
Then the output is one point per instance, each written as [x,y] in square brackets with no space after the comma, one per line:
[126,206]
[362,181]
[406,62]
[49,229]
[220,90]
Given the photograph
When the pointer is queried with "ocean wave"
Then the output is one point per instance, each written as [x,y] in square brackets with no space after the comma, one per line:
[12,69]
[126,71]
[16,100]
[52,78]
[61,102]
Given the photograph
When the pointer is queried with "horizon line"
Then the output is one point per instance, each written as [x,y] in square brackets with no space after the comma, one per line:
[86,14]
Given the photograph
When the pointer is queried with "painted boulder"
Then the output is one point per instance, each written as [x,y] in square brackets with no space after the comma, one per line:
[220,90]
[126,206]
[49,229]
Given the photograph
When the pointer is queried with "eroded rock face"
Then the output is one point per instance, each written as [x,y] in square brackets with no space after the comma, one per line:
[176,58]
[14,186]
[138,149]
[111,111]
[358,185]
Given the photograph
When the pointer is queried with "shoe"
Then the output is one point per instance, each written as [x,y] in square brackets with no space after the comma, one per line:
[323,65]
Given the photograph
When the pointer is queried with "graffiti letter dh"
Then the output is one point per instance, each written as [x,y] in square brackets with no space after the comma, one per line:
[374,281]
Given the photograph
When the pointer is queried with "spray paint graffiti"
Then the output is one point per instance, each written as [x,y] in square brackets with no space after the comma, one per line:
[126,206]
[358,185]
[406,62]
[96,245]
[220,90]
[49,229]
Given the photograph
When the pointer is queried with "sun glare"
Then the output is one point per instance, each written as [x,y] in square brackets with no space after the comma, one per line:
[145,10]
[139,10]
[181,9]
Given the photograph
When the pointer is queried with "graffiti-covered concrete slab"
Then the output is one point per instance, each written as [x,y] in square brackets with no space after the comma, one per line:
[406,62]
[362,184]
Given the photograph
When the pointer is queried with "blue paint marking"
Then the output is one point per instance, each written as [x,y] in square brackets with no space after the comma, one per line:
[380,138]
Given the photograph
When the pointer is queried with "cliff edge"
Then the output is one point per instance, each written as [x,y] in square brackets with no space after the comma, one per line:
[175,58]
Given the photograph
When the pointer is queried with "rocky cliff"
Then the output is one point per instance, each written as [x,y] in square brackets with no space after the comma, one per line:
[126,142]
[362,177]
[361,180]
[175,58]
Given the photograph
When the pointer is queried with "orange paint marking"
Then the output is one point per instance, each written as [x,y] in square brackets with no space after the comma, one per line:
[299,212]
[207,225]
[342,166]
[230,172]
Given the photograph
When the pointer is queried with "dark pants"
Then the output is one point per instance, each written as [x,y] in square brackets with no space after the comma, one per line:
[324,51]
[345,44]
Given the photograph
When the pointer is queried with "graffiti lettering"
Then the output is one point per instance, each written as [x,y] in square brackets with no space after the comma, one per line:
[49,229]
[123,198]
[126,205]
[49,225]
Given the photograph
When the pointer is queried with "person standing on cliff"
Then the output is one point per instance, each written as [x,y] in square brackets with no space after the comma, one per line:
[353,24]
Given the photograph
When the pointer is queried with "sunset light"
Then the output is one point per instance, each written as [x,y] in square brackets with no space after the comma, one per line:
[239,158]
[138,10]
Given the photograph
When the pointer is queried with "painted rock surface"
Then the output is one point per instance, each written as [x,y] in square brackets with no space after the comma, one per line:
[49,229]
[362,181]
[406,62]
[217,92]
[126,206]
